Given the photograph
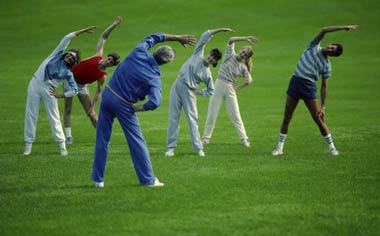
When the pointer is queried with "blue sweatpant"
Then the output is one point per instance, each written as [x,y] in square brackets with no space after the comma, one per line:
[111,107]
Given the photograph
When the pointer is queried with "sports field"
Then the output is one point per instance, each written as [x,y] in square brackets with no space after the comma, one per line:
[233,190]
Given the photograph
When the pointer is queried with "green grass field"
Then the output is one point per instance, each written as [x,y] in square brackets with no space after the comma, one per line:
[233,190]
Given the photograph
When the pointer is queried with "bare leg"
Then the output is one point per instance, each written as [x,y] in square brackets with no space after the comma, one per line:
[314,110]
[290,106]
[86,103]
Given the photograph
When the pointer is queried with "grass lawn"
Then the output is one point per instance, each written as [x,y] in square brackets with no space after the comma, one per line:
[233,190]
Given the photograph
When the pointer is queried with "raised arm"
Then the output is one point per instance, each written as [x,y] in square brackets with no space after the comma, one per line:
[249,39]
[329,29]
[105,34]
[214,31]
[183,39]
[85,30]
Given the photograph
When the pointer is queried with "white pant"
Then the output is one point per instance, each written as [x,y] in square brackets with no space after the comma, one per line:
[226,91]
[39,90]
[183,97]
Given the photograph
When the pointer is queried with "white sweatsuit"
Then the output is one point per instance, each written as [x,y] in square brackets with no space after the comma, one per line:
[229,71]
[182,94]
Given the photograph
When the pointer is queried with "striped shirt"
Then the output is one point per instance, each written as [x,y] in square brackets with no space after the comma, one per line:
[231,68]
[313,64]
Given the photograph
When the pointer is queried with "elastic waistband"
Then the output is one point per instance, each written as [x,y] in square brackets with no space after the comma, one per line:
[118,96]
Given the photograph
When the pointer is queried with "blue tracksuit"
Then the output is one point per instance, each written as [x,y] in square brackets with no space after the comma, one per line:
[135,78]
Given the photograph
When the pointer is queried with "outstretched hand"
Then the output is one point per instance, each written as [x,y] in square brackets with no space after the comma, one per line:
[351,27]
[187,40]
[252,39]
[118,20]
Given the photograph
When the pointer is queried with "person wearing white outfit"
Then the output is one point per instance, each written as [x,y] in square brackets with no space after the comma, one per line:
[54,69]
[233,66]
[184,90]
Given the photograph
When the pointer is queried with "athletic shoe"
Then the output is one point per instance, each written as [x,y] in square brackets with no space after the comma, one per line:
[246,143]
[170,152]
[201,153]
[156,183]
[99,184]
[63,152]
[69,140]
[277,152]
[27,151]
[334,152]
[206,141]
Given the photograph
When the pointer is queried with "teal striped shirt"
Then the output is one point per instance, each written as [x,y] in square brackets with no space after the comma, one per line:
[313,64]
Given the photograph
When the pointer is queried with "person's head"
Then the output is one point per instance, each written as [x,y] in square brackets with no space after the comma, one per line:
[164,54]
[112,59]
[214,56]
[71,57]
[334,50]
[245,54]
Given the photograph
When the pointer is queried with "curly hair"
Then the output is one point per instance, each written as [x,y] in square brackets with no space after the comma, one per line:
[76,53]
[116,58]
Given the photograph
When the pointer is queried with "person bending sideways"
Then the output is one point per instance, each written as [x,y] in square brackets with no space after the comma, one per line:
[86,72]
[137,77]
[314,63]
[53,70]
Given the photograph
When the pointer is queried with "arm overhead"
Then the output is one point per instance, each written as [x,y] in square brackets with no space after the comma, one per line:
[183,39]
[85,30]
[329,29]
[249,39]
[105,34]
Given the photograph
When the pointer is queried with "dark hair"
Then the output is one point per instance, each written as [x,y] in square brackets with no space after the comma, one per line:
[339,49]
[217,54]
[77,56]
[116,58]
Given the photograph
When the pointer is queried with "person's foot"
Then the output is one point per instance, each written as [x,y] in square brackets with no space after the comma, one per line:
[69,140]
[99,184]
[334,152]
[246,143]
[156,183]
[170,152]
[201,153]
[277,152]
[206,141]
[63,152]
[27,151]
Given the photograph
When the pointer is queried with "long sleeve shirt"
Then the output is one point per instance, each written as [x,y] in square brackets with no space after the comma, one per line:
[139,75]
[53,69]
[193,72]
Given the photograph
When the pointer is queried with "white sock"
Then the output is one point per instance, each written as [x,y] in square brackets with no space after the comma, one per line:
[281,141]
[329,141]
[68,131]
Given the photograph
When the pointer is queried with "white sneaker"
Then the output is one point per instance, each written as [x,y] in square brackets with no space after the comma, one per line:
[170,152]
[63,152]
[206,141]
[99,184]
[246,143]
[334,152]
[27,151]
[277,152]
[156,183]
[201,153]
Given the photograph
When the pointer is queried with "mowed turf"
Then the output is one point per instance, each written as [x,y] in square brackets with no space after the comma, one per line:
[233,190]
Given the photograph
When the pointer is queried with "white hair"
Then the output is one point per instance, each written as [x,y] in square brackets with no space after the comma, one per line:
[164,54]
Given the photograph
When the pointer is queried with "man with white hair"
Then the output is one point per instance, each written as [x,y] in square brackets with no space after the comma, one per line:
[135,78]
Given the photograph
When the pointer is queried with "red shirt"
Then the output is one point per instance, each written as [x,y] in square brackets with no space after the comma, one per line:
[87,71]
